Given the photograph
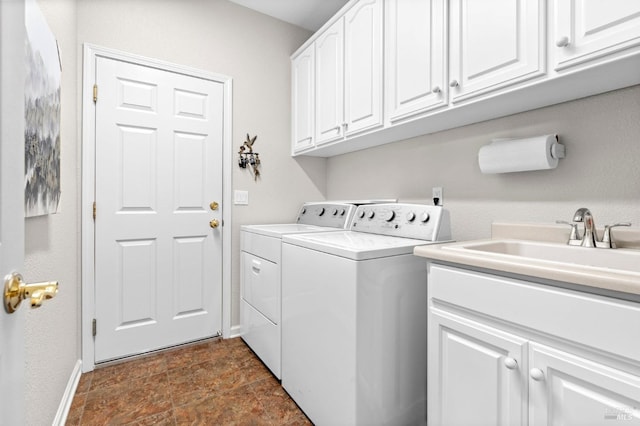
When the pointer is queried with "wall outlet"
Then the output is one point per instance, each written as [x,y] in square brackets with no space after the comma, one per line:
[241,198]
[437,195]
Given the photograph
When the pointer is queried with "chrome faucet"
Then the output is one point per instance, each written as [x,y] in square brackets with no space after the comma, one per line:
[589,237]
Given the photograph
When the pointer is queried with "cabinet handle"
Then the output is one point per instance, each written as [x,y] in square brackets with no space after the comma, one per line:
[255,265]
[454,83]
[562,41]
[510,363]
[536,374]
[436,89]
[337,128]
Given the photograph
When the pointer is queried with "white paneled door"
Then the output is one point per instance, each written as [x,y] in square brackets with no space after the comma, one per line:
[12,366]
[158,235]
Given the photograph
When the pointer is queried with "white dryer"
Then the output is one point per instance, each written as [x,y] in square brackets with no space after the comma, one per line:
[260,263]
[354,317]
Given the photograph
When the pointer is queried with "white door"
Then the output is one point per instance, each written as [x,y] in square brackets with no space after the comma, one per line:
[303,107]
[158,256]
[415,63]
[12,35]
[363,66]
[476,373]
[566,389]
[329,93]
[494,44]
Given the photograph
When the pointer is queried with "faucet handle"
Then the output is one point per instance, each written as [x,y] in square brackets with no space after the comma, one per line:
[574,239]
[607,241]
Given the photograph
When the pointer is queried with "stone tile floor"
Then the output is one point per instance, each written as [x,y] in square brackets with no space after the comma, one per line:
[218,382]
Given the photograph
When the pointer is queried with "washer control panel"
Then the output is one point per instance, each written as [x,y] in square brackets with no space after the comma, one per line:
[418,221]
[332,215]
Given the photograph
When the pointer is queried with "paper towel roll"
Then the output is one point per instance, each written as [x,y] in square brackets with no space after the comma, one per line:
[519,155]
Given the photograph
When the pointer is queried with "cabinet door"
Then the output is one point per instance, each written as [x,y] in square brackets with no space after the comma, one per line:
[586,30]
[303,108]
[329,84]
[476,373]
[494,44]
[566,389]
[363,66]
[415,61]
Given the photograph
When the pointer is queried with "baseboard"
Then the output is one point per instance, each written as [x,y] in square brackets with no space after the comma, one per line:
[67,397]
[236,331]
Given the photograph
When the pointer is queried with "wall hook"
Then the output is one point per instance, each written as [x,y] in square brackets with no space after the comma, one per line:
[249,158]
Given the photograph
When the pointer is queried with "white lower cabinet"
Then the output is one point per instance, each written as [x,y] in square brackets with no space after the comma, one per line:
[566,389]
[473,374]
[504,351]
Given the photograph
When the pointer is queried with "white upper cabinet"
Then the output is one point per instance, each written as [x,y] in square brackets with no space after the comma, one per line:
[493,44]
[330,84]
[587,30]
[415,57]
[303,101]
[392,70]
[363,66]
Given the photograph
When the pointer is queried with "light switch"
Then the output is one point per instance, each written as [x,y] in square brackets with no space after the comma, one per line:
[241,198]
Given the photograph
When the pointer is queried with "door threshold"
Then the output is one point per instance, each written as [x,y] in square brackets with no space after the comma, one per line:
[142,355]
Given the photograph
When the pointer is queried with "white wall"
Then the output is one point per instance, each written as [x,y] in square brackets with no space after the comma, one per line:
[52,335]
[601,171]
[213,35]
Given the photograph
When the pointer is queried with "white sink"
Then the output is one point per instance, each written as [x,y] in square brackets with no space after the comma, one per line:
[618,259]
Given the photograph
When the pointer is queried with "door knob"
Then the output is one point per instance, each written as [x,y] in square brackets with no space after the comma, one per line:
[214,223]
[16,290]
[213,205]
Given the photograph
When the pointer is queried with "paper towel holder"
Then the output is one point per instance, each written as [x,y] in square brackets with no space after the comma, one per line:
[508,155]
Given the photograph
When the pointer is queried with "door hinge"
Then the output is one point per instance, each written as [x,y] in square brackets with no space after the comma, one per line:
[94,327]
[95,93]
[95,210]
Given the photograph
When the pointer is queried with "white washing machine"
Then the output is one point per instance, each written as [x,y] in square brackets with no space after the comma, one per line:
[260,273]
[354,317]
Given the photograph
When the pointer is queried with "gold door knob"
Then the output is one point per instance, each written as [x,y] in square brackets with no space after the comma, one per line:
[213,205]
[16,290]
[214,223]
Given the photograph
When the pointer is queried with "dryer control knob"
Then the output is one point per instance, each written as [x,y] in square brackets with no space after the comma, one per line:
[389,216]
[371,214]
[361,214]
[424,217]
[321,211]
[343,212]
[411,216]
[334,212]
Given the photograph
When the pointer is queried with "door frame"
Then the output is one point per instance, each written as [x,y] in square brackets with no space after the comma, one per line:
[91,53]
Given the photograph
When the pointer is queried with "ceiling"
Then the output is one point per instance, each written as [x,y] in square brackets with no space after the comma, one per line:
[308,14]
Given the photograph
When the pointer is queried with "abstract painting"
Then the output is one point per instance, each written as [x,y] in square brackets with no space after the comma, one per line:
[42,116]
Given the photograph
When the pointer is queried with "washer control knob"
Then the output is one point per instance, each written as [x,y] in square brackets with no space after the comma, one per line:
[371,214]
[411,216]
[334,212]
[304,210]
[361,214]
[342,212]
[424,217]
[388,216]
[321,211]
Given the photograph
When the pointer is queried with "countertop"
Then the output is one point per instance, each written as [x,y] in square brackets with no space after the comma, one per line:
[597,277]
